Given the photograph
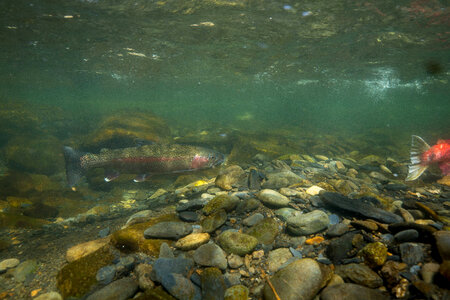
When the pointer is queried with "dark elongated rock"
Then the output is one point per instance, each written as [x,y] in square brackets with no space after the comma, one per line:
[351,291]
[355,207]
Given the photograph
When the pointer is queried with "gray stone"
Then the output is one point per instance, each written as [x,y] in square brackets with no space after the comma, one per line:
[180,287]
[192,205]
[168,230]
[165,251]
[25,270]
[230,177]
[287,212]
[232,279]
[235,261]
[359,274]
[210,255]
[188,216]
[337,230]
[309,223]
[351,291]
[411,253]
[106,274]
[253,219]
[409,235]
[358,208]
[281,179]
[177,265]
[121,289]
[339,248]
[277,258]
[302,279]
[273,198]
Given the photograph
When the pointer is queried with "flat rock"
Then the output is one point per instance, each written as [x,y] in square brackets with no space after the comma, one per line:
[121,289]
[277,258]
[281,179]
[286,212]
[83,249]
[177,265]
[359,274]
[273,198]
[168,230]
[180,287]
[308,223]
[253,219]
[213,284]
[25,270]
[8,264]
[192,241]
[358,208]
[314,190]
[302,279]
[337,230]
[351,291]
[49,296]
[237,243]
[210,255]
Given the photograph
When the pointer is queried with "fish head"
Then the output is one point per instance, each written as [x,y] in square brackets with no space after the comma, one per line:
[207,159]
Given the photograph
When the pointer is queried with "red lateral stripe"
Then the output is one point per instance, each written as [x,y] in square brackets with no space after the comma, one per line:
[146,159]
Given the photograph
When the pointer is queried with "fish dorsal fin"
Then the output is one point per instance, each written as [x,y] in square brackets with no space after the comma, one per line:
[416,168]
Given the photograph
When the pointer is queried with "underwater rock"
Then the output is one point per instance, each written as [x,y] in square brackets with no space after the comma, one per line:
[41,211]
[253,219]
[411,253]
[301,279]
[265,231]
[210,255]
[213,284]
[192,241]
[281,179]
[178,265]
[168,230]
[143,273]
[237,292]
[359,274]
[121,289]
[391,272]
[214,221]
[226,202]
[231,176]
[25,270]
[272,198]
[237,243]
[443,244]
[351,291]
[180,287]
[83,249]
[41,155]
[308,223]
[374,254]
[277,258]
[356,207]
[76,278]
[139,217]
[131,239]
[8,264]
[127,129]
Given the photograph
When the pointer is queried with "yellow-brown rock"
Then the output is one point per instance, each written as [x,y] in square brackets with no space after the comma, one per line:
[374,254]
[83,249]
[192,241]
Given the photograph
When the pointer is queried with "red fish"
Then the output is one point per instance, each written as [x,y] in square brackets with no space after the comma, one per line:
[144,160]
[422,155]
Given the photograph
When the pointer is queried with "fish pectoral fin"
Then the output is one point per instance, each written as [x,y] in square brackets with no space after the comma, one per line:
[415,171]
[111,175]
[140,178]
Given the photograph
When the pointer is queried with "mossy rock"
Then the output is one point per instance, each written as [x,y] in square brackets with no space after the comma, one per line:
[131,239]
[125,129]
[77,278]
[265,231]
[157,293]
[237,243]
[20,221]
[226,202]
[35,154]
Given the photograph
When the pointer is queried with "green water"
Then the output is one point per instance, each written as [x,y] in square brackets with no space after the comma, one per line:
[349,65]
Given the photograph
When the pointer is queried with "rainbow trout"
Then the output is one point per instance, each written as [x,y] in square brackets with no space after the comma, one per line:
[143,160]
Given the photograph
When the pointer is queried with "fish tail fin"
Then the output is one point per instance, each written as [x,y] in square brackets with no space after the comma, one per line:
[416,168]
[74,170]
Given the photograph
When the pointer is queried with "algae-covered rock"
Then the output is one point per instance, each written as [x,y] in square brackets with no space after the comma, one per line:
[237,243]
[36,154]
[20,221]
[237,292]
[84,249]
[132,238]
[157,293]
[214,221]
[219,202]
[230,177]
[76,278]
[374,254]
[127,128]
[265,231]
